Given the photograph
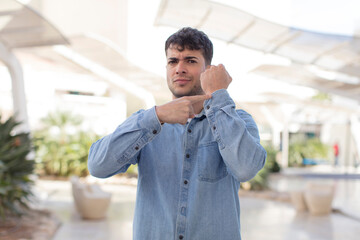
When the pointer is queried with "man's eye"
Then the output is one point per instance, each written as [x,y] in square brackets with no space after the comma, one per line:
[171,62]
[191,61]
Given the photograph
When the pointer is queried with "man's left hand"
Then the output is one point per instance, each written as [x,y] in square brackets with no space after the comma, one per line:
[215,78]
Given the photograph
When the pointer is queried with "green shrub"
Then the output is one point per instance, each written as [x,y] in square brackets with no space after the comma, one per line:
[131,172]
[271,164]
[311,148]
[61,146]
[260,181]
[15,169]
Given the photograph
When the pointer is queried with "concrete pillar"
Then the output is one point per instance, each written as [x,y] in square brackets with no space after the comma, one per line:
[285,146]
[275,125]
[287,110]
[18,90]
[355,131]
[347,148]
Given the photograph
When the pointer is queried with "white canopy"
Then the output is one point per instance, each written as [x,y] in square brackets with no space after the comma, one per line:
[21,26]
[336,54]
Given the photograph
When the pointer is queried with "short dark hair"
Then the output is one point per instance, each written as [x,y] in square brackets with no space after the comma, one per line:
[191,39]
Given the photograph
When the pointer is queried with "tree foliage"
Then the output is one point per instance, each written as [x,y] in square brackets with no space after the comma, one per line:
[260,181]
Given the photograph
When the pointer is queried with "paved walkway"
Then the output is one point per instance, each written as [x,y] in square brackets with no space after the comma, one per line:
[260,218]
[57,197]
[345,180]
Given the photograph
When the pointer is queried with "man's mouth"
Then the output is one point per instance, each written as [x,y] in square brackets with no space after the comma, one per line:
[181,80]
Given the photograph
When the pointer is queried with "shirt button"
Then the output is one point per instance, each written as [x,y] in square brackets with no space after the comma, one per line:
[207,107]
[136,148]
[214,127]
[189,130]
[181,237]
[185,182]
[187,155]
[154,132]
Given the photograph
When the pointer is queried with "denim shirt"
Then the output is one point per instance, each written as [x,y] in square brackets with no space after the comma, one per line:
[189,175]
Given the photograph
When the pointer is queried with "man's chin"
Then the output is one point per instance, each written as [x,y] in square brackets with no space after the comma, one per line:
[186,94]
[178,93]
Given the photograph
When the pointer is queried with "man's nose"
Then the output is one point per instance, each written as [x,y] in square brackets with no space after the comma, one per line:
[180,68]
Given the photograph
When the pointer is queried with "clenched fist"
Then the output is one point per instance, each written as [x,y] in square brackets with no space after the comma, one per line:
[215,78]
[181,109]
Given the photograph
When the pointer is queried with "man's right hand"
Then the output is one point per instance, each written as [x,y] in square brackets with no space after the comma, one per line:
[181,109]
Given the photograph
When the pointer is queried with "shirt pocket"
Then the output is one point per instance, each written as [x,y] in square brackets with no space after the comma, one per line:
[211,166]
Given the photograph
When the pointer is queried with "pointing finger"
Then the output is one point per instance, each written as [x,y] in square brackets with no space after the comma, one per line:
[191,113]
[198,98]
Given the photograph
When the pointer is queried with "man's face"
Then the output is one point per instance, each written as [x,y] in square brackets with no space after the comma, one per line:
[183,71]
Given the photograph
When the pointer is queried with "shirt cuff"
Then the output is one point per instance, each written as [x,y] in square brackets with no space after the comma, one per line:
[219,99]
[150,121]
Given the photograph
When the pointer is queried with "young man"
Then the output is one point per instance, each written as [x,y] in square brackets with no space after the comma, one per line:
[192,153]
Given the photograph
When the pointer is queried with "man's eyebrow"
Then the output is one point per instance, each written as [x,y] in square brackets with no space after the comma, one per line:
[185,58]
[190,57]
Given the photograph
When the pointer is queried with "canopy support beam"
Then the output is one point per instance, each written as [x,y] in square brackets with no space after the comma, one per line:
[18,89]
